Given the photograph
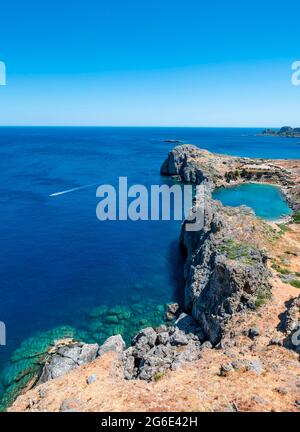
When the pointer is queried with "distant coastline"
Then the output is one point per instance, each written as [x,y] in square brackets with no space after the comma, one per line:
[285,131]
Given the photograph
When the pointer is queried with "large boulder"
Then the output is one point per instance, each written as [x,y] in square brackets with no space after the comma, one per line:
[64,358]
[113,343]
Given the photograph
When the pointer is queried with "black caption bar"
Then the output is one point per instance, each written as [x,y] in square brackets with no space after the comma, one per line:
[97,422]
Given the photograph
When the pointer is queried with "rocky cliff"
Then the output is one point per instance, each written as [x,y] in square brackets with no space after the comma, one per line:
[190,164]
[225,270]
[226,267]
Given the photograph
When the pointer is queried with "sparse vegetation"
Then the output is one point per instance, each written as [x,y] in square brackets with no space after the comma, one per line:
[234,250]
[296,217]
[284,228]
[280,270]
[295,283]
[232,176]
[158,376]
[263,296]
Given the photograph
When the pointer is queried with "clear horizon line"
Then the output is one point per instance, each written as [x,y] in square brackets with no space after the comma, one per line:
[143,126]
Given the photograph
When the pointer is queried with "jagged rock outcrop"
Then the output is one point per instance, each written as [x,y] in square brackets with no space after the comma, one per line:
[177,164]
[113,343]
[154,351]
[225,269]
[193,165]
[224,272]
[285,131]
[68,354]
[65,356]
[292,324]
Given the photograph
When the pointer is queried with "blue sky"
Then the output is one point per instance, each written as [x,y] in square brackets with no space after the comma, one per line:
[173,63]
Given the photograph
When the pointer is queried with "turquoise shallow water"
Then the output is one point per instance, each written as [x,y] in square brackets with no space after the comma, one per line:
[266,200]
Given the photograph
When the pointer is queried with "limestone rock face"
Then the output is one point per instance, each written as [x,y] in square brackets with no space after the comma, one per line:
[65,358]
[292,325]
[67,355]
[177,164]
[224,274]
[193,165]
[225,269]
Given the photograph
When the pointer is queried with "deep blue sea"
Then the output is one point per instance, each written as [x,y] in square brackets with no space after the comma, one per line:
[58,260]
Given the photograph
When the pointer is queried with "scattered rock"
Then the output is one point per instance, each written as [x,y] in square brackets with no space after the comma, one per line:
[226,369]
[259,400]
[253,332]
[240,365]
[153,352]
[255,366]
[206,345]
[91,379]
[281,390]
[42,392]
[70,405]
[179,337]
[276,340]
[146,336]
[172,311]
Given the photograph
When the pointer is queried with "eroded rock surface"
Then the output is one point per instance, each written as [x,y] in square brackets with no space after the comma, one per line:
[191,164]
[225,270]
[292,324]
[226,267]
[65,356]
[154,351]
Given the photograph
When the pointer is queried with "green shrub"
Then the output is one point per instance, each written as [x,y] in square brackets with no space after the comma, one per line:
[295,283]
[158,376]
[284,228]
[263,296]
[296,217]
[279,269]
[234,250]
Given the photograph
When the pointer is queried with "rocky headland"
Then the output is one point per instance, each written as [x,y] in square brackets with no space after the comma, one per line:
[232,345]
[285,131]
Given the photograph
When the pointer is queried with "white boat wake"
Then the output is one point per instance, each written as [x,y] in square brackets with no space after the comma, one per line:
[72,190]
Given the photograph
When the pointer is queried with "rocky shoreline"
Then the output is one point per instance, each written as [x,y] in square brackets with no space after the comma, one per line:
[190,164]
[228,279]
